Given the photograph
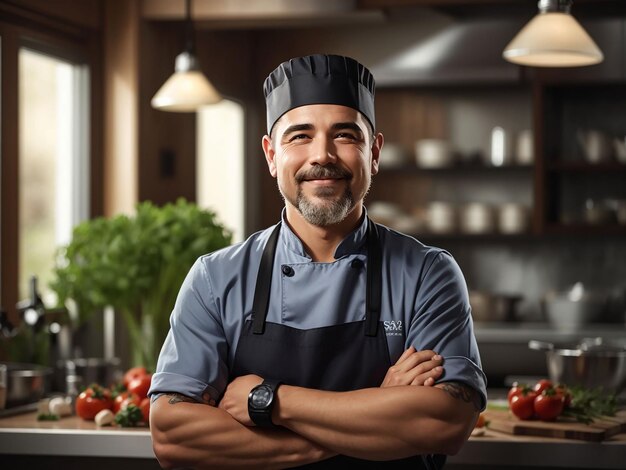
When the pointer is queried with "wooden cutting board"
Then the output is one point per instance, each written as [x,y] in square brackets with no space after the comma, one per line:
[563,428]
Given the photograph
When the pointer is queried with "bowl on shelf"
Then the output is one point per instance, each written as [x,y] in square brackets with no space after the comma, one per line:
[433,153]
[476,218]
[573,309]
[441,217]
[392,155]
[513,218]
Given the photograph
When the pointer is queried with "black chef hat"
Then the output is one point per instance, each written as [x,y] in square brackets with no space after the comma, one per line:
[319,79]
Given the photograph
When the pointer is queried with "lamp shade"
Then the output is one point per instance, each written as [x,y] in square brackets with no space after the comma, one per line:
[553,39]
[187,89]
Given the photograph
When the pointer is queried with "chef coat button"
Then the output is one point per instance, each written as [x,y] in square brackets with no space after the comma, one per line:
[356,263]
[288,270]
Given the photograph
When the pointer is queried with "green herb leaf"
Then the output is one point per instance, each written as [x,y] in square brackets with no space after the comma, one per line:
[129,416]
[590,404]
[47,417]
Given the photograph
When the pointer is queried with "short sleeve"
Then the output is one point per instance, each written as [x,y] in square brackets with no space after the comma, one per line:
[442,322]
[193,359]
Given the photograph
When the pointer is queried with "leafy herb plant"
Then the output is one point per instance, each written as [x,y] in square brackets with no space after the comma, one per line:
[136,265]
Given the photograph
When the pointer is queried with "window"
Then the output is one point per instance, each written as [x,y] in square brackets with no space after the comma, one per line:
[220,157]
[50,142]
[53,160]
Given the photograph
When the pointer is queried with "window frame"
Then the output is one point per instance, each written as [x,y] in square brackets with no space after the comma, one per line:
[66,41]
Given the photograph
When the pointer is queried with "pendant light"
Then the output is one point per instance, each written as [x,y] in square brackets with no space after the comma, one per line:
[187,89]
[553,38]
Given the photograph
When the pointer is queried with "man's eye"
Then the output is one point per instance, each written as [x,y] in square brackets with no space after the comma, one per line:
[298,137]
[345,135]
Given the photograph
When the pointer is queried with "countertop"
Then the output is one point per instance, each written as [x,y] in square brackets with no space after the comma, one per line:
[73,437]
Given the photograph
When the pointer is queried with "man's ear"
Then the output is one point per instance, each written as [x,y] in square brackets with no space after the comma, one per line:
[377,145]
[270,154]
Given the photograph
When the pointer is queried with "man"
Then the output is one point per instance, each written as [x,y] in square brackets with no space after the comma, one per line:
[311,342]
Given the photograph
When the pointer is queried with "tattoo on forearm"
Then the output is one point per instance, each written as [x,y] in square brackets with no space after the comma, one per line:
[462,392]
[177,398]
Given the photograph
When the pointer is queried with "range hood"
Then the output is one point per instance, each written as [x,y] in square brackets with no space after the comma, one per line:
[217,14]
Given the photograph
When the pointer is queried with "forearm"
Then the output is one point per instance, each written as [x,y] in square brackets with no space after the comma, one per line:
[196,435]
[377,423]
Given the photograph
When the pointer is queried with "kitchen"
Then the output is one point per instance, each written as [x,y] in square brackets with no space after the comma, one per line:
[442,83]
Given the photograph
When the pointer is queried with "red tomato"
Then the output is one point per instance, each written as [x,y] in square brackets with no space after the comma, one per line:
[565,393]
[140,385]
[124,399]
[145,409]
[549,405]
[133,373]
[517,389]
[93,400]
[542,385]
[522,405]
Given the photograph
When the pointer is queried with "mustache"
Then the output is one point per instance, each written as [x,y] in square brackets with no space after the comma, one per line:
[322,172]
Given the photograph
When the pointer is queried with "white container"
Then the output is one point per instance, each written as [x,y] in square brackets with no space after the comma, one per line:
[524,151]
[513,218]
[477,218]
[575,308]
[500,153]
[392,155]
[433,153]
[596,145]
[619,145]
[441,217]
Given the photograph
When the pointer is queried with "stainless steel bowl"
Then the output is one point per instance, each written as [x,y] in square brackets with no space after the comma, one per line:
[591,364]
[26,383]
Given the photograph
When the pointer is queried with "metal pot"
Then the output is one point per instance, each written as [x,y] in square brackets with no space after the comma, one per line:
[91,370]
[26,383]
[591,363]
[493,307]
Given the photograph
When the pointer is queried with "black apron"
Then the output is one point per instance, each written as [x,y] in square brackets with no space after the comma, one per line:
[325,358]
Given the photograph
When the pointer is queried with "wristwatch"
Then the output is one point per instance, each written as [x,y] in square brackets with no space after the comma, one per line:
[261,402]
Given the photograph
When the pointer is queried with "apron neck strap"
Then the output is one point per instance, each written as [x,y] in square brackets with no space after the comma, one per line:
[264,283]
[374,280]
[373,290]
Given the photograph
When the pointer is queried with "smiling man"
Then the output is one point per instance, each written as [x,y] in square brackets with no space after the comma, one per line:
[326,339]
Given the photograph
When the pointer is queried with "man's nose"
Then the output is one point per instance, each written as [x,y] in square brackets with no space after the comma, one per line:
[324,151]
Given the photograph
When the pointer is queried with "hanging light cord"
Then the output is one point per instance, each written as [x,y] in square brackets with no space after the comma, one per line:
[189,42]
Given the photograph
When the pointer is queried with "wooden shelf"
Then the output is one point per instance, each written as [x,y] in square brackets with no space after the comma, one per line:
[479,238]
[456,169]
[581,229]
[584,167]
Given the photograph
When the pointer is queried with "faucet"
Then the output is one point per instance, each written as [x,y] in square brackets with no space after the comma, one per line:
[32,309]
[7,330]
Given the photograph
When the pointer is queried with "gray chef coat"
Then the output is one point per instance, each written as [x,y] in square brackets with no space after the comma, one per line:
[424,304]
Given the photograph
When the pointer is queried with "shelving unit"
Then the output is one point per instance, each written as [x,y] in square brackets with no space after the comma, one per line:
[569,178]
[556,187]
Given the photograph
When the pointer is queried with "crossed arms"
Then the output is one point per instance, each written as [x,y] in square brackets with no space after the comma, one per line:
[405,416]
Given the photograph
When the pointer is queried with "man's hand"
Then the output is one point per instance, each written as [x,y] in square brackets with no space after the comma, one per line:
[414,368]
[235,399]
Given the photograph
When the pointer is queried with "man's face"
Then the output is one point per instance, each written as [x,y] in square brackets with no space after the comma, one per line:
[323,157]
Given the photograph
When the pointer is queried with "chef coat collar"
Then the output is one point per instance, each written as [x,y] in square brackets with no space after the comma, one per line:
[352,244]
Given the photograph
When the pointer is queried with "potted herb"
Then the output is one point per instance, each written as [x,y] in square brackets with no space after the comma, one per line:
[136,265]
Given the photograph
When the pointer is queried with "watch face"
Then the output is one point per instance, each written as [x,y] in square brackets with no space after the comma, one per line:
[261,397]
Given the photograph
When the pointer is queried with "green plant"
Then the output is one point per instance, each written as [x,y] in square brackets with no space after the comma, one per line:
[137,265]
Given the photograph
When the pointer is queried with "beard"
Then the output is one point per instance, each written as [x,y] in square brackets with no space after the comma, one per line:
[327,208]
